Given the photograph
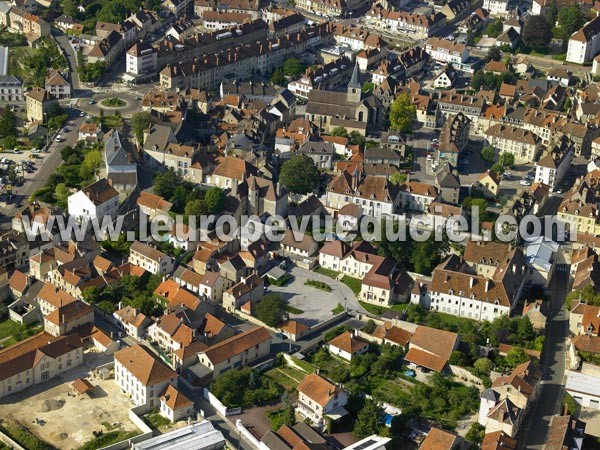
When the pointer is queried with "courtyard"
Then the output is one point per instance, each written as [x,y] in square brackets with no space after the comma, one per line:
[310,304]
[66,420]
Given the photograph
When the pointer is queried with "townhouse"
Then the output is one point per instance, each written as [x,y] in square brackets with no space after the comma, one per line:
[579,208]
[150,259]
[208,70]
[251,7]
[24,22]
[585,43]
[357,38]
[454,139]
[235,352]
[67,318]
[132,321]
[463,294]
[141,59]
[247,292]
[504,405]
[172,332]
[97,201]
[319,398]
[554,164]
[444,51]
[329,77]
[37,360]
[39,102]
[451,103]
[522,144]
[57,85]
[496,7]
[382,283]
[416,25]
[11,89]
[141,376]
[416,196]
[376,195]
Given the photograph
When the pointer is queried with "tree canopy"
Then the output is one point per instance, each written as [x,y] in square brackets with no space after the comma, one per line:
[570,19]
[367,420]
[299,175]
[293,67]
[277,77]
[140,121]
[537,32]
[402,113]
[92,72]
[271,309]
[488,153]
[215,200]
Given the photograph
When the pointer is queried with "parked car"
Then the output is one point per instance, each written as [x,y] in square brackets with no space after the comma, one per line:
[58,138]
[525,182]
[36,150]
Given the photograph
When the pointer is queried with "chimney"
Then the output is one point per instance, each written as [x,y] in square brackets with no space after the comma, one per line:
[471,282]
[487,285]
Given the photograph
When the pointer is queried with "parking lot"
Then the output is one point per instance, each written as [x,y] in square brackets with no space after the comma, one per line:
[16,160]
[315,304]
[72,419]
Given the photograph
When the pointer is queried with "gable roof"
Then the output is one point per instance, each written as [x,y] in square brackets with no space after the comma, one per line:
[144,366]
[318,389]
[236,344]
[100,192]
[175,400]
[439,440]
[348,342]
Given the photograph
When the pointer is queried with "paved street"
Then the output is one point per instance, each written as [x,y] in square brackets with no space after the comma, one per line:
[63,41]
[535,427]
[22,193]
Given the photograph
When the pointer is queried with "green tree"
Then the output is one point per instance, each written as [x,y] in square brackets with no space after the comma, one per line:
[488,153]
[427,254]
[402,114]
[355,138]
[498,168]
[516,356]
[61,194]
[195,208]
[339,131]
[570,19]
[92,72]
[299,174]
[398,178]
[293,67]
[271,309]
[140,121]
[484,366]
[370,326]
[91,162]
[10,141]
[493,29]
[506,159]
[91,294]
[494,54]
[277,77]
[284,416]
[215,200]
[458,359]
[536,33]
[476,433]
[367,420]
[368,86]
[8,123]
[113,12]
[480,204]
[165,182]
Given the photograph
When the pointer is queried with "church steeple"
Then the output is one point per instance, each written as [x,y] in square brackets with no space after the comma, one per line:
[354,86]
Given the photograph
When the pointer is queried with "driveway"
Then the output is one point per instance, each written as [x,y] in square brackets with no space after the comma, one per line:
[315,304]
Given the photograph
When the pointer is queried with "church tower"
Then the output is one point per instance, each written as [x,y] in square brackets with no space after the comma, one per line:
[354,92]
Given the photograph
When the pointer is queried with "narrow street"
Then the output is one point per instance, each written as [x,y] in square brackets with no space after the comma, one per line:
[63,41]
[535,427]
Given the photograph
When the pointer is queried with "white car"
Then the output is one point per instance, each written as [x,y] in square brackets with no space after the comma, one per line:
[525,183]
[58,138]
[36,150]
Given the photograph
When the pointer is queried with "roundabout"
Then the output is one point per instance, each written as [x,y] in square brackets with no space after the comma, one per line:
[113,103]
[124,102]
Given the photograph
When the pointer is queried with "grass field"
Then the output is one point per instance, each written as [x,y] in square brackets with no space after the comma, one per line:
[379,310]
[286,377]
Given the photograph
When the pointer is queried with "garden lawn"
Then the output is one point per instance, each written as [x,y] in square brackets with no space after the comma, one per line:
[12,332]
[353,283]
[327,272]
